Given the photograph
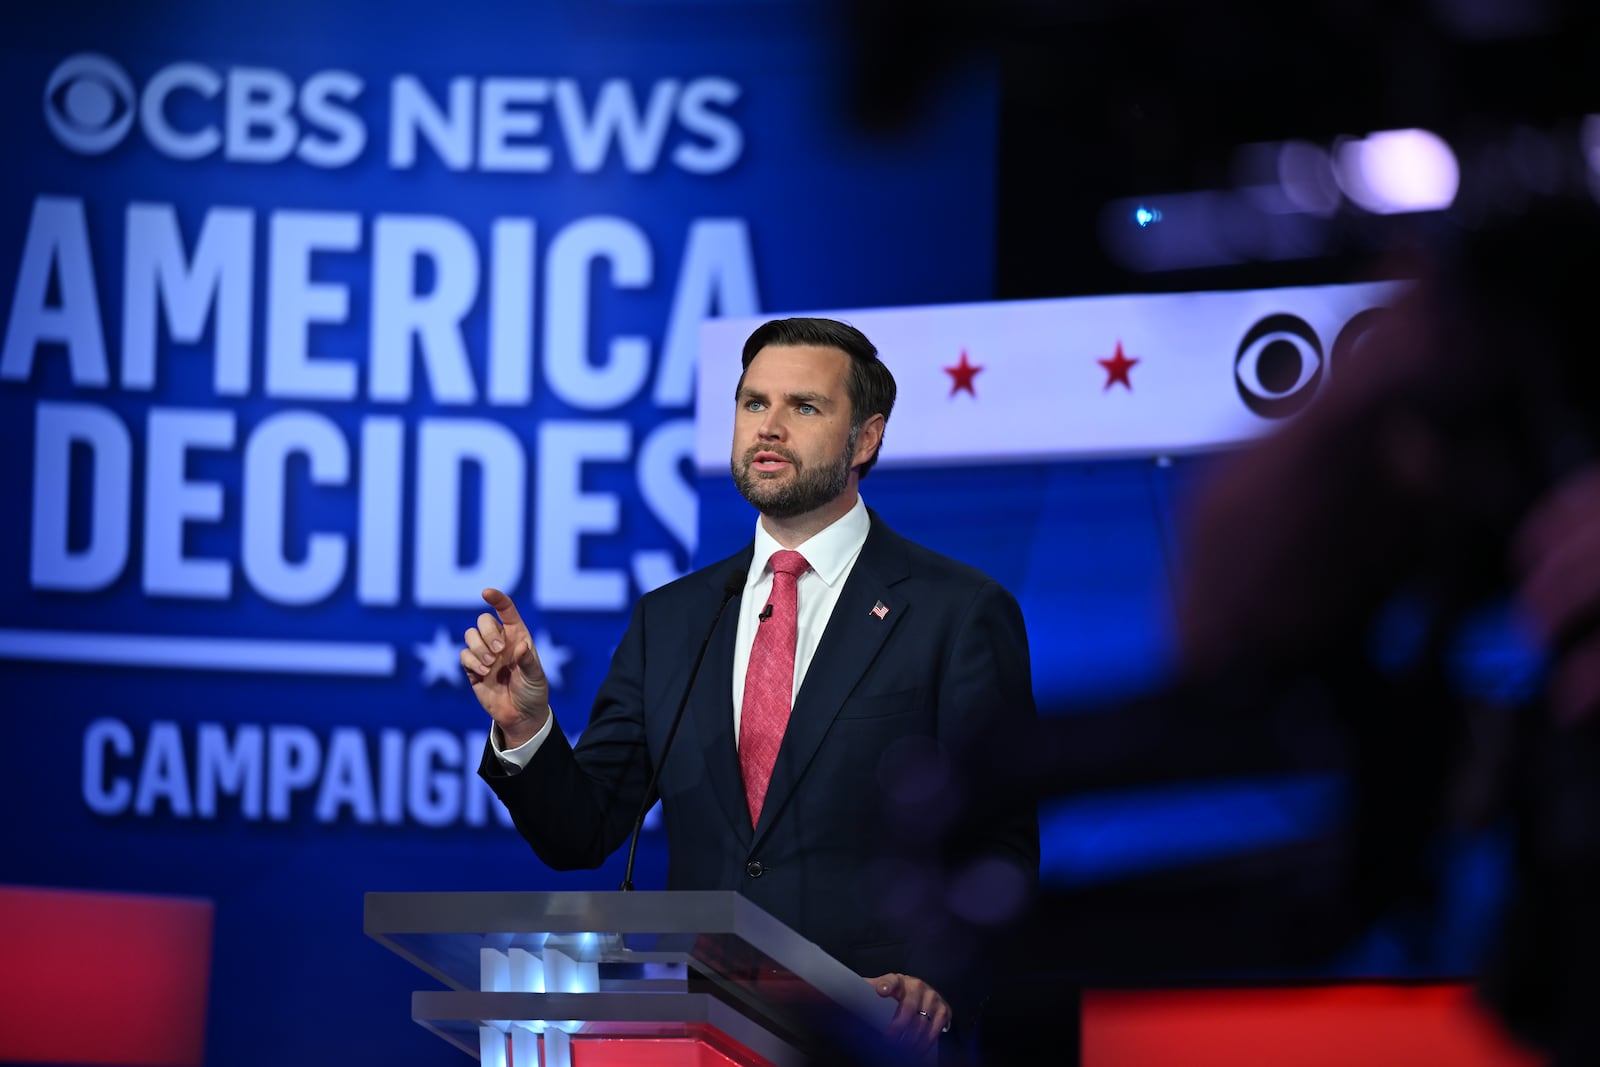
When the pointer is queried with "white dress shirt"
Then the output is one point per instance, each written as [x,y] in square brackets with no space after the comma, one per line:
[832,555]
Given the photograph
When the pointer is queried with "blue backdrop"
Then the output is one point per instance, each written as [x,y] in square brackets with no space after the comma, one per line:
[318,320]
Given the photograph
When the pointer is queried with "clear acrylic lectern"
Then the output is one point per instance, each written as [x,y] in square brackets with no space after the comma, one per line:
[609,979]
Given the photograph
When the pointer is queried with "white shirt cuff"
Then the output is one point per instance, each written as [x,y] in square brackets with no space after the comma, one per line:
[515,759]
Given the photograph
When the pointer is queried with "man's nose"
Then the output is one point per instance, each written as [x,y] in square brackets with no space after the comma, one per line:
[771,426]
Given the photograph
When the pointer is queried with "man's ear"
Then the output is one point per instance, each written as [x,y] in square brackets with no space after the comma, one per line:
[868,440]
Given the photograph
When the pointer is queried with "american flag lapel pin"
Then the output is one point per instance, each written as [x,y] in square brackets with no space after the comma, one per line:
[880,609]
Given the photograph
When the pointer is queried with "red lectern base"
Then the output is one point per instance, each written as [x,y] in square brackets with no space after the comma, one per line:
[695,1045]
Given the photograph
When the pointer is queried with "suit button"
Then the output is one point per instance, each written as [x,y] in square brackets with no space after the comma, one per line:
[754,869]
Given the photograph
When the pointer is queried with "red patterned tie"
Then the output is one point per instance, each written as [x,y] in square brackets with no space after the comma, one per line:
[769,682]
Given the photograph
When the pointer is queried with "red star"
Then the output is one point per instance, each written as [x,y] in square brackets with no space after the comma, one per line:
[1117,368]
[961,376]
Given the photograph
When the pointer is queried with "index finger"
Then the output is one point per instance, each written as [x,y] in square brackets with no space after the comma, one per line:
[503,607]
[889,985]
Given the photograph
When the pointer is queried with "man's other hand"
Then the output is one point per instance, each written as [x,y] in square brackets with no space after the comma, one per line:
[921,1015]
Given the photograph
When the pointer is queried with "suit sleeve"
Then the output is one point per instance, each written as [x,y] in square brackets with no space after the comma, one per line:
[987,695]
[989,854]
[575,806]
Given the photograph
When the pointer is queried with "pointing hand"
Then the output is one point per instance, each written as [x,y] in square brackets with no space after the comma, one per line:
[504,669]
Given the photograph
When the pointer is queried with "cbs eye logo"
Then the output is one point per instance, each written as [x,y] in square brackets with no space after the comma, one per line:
[89,103]
[1280,362]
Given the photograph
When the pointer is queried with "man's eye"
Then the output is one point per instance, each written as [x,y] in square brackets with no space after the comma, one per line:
[805,409]
[752,405]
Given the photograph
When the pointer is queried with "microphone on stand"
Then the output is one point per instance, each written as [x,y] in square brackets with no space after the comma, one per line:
[731,587]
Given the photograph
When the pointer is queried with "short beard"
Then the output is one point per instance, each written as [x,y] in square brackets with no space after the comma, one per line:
[808,490]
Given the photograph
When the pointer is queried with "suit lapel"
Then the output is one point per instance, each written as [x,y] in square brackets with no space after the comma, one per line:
[711,707]
[852,640]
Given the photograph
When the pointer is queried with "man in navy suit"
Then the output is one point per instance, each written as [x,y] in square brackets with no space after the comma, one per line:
[900,659]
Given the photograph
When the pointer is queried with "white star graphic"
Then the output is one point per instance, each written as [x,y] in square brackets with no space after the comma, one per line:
[552,656]
[441,659]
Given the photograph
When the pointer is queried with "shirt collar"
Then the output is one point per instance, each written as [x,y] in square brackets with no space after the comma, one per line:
[830,551]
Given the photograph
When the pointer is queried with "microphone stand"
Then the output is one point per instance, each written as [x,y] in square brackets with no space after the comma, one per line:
[730,589]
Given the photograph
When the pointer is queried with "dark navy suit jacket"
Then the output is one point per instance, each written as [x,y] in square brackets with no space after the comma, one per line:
[947,661]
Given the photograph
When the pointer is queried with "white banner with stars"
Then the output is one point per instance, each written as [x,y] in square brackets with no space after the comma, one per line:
[1080,378]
